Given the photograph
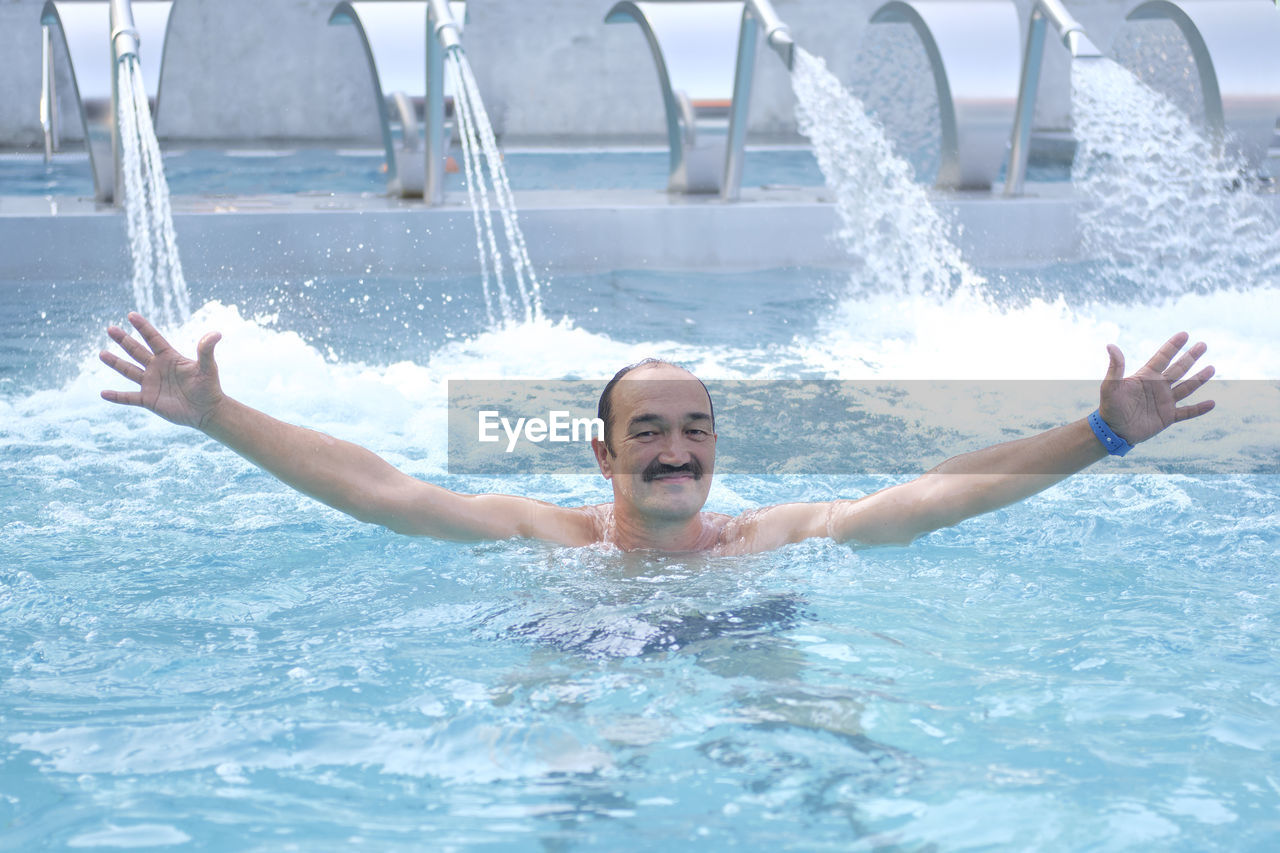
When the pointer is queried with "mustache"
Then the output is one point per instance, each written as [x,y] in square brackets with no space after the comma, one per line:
[656,469]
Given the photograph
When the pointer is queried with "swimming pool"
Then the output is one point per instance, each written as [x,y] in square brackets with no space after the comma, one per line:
[246,171]
[218,171]
[197,657]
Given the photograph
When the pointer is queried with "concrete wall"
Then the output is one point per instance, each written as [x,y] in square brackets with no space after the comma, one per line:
[549,70]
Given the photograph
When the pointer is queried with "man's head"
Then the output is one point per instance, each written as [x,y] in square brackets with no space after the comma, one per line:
[659,440]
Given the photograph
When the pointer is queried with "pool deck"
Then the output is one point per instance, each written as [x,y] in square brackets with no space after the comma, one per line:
[255,237]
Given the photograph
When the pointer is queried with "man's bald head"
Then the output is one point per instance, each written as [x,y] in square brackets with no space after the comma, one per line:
[604,410]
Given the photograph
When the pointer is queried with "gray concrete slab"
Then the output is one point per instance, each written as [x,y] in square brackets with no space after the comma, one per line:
[253,237]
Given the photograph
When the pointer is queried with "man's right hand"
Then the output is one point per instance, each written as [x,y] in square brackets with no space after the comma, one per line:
[176,388]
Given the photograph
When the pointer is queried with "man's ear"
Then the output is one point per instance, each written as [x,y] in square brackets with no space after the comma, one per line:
[602,458]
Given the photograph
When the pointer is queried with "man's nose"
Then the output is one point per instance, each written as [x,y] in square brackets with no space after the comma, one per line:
[676,450]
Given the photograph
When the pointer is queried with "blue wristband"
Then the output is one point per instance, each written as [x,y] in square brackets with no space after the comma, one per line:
[1114,444]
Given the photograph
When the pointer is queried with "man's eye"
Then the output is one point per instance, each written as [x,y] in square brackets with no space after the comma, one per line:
[698,433]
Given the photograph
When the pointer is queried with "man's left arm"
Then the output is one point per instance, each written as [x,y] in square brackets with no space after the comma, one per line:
[1133,408]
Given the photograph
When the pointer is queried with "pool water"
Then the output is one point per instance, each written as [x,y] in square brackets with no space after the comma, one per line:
[195,657]
[209,171]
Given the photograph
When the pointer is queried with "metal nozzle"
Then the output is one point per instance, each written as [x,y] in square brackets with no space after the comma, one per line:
[1080,46]
[125,40]
[780,40]
[1069,29]
[775,31]
[443,26]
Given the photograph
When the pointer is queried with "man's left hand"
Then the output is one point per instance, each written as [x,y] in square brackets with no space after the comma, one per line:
[1139,406]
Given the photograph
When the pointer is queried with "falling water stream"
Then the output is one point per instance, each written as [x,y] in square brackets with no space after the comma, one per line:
[486,176]
[1165,208]
[895,236]
[159,289]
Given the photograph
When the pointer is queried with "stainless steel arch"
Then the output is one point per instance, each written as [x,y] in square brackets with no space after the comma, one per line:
[395,37]
[973,49]
[1043,13]
[694,48]
[705,57]
[96,35]
[1236,45]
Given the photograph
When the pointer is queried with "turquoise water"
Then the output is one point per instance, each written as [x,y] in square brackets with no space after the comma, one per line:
[199,171]
[192,656]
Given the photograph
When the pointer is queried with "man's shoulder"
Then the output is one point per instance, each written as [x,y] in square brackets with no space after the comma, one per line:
[773,526]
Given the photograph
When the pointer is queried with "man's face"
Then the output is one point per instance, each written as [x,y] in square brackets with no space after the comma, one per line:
[663,441]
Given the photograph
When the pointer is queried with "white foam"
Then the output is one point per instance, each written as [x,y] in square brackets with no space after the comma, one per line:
[964,336]
[401,406]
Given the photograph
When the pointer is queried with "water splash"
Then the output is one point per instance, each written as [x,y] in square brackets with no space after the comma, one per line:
[890,228]
[480,154]
[159,289]
[1166,211]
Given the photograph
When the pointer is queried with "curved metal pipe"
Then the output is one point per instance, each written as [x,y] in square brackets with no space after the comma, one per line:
[48,95]
[974,49]
[95,82]
[347,13]
[1234,45]
[444,36]
[756,14]
[125,41]
[1080,47]
[674,110]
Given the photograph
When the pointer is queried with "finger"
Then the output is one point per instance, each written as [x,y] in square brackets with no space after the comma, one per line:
[1165,354]
[1115,369]
[124,398]
[126,369]
[1179,368]
[204,352]
[154,339]
[1185,389]
[130,345]
[1185,413]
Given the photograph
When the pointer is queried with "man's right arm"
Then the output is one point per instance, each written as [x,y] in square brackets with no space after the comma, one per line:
[360,483]
[338,473]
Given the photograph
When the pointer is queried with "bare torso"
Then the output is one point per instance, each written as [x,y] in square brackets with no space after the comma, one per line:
[720,534]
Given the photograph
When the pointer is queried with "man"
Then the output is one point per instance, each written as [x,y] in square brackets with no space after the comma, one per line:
[659,453]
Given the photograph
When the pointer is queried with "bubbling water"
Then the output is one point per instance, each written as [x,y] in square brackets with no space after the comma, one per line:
[159,288]
[1165,209]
